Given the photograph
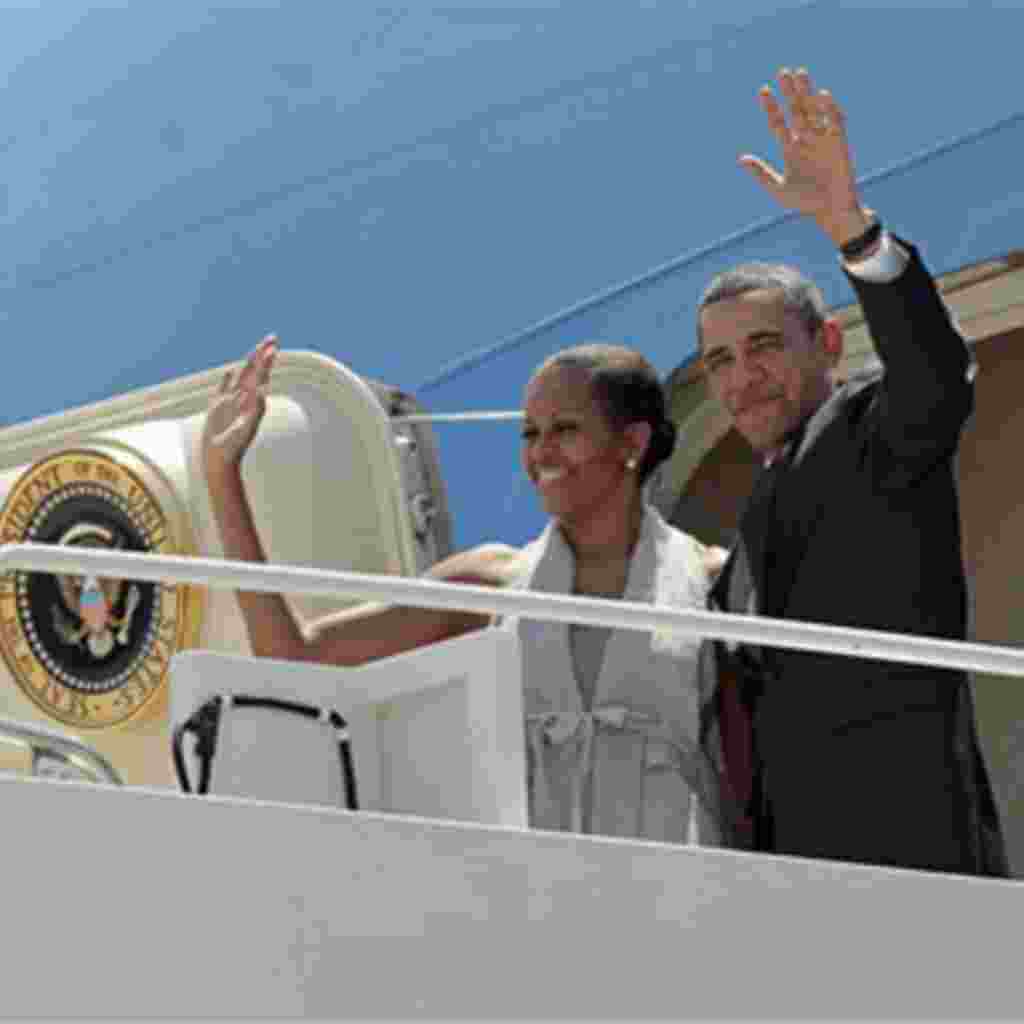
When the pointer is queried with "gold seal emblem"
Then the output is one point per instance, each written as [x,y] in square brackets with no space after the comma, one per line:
[93,652]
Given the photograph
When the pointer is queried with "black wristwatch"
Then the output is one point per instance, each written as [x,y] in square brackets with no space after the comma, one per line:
[854,249]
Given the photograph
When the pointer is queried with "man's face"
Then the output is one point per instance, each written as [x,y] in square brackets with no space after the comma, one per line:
[765,365]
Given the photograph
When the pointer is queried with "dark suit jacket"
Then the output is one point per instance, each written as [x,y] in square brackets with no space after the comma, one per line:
[861,759]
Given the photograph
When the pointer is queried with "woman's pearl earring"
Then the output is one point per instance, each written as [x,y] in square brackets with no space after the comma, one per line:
[631,463]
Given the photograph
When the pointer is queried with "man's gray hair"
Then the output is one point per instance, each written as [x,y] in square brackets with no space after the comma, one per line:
[799,294]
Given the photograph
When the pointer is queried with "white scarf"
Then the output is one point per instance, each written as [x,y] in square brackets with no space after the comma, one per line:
[629,765]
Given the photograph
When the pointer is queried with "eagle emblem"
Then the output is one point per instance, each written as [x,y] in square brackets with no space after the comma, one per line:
[94,614]
[89,650]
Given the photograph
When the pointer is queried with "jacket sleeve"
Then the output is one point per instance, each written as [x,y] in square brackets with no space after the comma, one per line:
[926,392]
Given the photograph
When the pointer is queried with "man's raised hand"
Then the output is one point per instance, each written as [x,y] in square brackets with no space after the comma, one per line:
[817,177]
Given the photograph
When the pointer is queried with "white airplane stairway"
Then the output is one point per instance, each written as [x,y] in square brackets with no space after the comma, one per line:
[134,902]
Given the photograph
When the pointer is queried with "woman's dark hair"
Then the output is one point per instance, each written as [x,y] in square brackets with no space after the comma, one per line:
[628,390]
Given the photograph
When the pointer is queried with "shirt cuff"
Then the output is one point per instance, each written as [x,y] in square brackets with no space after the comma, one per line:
[883,266]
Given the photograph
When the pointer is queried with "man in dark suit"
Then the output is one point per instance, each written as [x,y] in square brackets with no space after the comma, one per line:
[853,522]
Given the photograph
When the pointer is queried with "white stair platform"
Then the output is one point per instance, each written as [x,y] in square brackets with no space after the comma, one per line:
[136,902]
[435,732]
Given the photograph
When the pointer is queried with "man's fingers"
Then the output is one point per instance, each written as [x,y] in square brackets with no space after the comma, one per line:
[765,174]
[802,88]
[225,382]
[773,111]
[803,109]
[818,117]
[787,84]
[830,109]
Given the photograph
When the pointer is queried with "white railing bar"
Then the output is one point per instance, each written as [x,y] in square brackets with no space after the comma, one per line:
[400,590]
[459,417]
[34,737]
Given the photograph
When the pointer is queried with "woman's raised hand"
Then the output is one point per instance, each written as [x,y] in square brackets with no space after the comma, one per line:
[236,410]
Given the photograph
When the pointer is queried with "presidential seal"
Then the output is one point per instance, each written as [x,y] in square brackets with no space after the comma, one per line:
[93,652]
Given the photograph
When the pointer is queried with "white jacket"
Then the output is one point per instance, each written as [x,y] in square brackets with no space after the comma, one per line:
[632,764]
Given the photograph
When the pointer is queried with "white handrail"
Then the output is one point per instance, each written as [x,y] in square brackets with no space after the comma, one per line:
[495,416]
[399,590]
[64,748]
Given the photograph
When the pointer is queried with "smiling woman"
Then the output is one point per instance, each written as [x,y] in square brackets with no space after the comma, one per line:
[581,452]
[608,713]
[613,718]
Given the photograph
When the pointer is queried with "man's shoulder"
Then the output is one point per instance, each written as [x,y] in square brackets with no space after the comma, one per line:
[842,420]
[862,383]
[855,397]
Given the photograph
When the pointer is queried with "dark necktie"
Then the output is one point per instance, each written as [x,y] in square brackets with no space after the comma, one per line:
[740,677]
[759,524]
[739,681]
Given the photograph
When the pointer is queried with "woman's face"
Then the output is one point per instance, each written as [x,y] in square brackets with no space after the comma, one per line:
[571,453]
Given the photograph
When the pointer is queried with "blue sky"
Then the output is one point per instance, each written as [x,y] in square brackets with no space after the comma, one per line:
[403,187]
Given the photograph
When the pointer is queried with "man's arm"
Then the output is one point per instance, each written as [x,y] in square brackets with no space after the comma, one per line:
[927,394]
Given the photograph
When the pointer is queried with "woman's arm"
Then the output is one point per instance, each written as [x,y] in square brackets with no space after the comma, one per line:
[348,637]
[370,631]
